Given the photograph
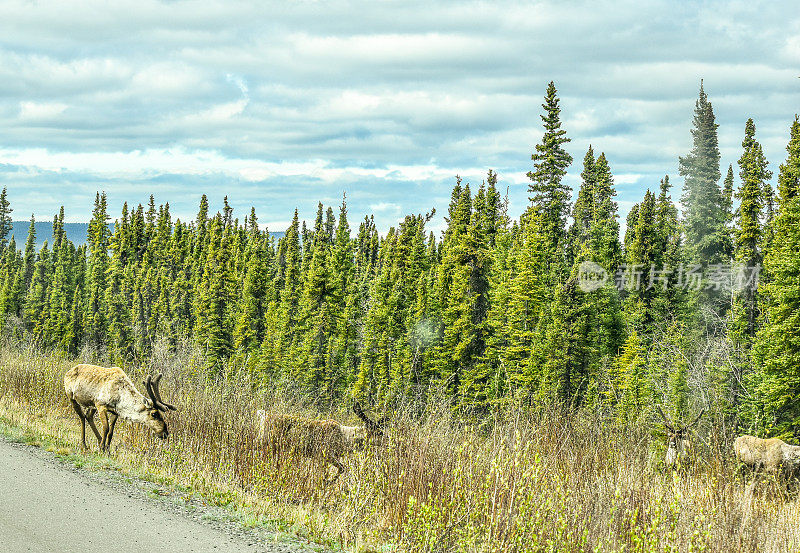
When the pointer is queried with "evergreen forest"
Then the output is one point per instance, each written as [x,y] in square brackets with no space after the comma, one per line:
[696,305]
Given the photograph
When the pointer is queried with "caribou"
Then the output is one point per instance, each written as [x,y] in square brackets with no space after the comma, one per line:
[769,455]
[678,444]
[110,393]
[326,441]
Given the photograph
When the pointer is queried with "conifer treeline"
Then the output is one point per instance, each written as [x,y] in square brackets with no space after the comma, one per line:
[494,310]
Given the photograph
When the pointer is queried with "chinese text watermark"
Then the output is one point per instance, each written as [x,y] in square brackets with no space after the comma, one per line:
[720,276]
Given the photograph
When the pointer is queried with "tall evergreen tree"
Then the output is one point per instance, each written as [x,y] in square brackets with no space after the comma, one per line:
[583,210]
[749,233]
[670,299]
[702,199]
[550,162]
[642,256]
[704,215]
[318,314]
[529,292]
[5,217]
[36,299]
[603,239]
[777,350]
[281,337]
[29,256]
[347,304]
[727,208]
[212,313]
[98,244]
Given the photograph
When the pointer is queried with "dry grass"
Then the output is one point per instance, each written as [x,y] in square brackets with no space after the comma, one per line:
[531,482]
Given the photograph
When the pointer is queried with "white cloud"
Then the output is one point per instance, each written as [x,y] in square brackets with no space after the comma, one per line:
[388,48]
[386,100]
[169,79]
[34,111]
[792,49]
[219,113]
[384,206]
[141,163]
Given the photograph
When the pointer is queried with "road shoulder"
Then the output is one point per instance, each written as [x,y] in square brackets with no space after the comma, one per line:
[48,503]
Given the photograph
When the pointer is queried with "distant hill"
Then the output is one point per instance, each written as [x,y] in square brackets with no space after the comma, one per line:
[76,232]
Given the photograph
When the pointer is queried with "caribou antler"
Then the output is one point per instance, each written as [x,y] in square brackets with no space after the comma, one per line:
[156,382]
[371,424]
[360,412]
[151,385]
[667,422]
[151,396]
[696,420]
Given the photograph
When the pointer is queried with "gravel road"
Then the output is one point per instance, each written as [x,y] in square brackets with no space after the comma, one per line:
[48,505]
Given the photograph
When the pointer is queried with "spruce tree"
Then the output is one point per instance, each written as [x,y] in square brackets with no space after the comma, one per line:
[318,315]
[603,235]
[550,162]
[98,243]
[704,215]
[702,199]
[453,288]
[5,218]
[600,307]
[249,330]
[347,304]
[213,330]
[670,298]
[497,320]
[583,325]
[777,352]
[464,337]
[529,294]
[29,257]
[789,175]
[631,378]
[35,311]
[283,334]
[11,280]
[583,210]
[642,258]
[727,208]
[377,351]
[749,232]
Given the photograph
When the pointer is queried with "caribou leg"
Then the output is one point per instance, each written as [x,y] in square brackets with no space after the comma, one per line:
[112,420]
[101,410]
[339,466]
[90,413]
[82,418]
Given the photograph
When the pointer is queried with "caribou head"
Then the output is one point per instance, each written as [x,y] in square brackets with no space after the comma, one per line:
[678,442]
[154,406]
[371,431]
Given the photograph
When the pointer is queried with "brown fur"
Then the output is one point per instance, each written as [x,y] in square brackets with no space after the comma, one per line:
[323,440]
[109,393]
[769,455]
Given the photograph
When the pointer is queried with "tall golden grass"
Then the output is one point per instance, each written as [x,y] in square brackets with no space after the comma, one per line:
[526,482]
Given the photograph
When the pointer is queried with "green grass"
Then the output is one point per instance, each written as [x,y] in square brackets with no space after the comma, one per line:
[532,481]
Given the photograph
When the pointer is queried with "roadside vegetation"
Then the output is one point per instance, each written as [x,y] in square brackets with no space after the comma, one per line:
[523,362]
[525,481]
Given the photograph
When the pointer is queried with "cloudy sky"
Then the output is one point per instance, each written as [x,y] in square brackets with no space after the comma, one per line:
[279,105]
